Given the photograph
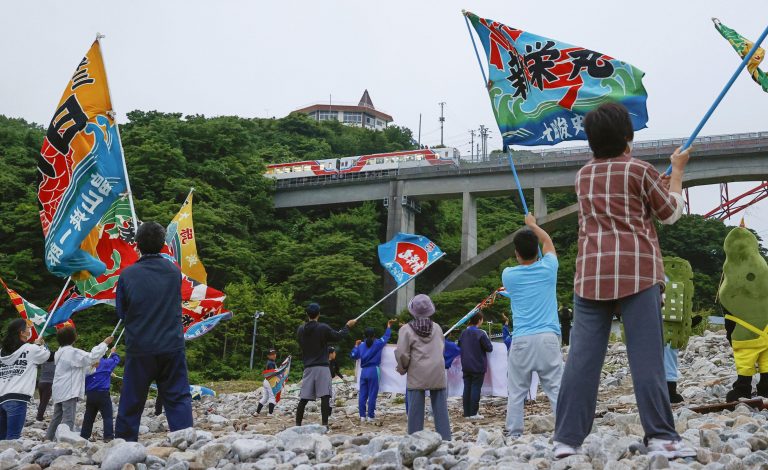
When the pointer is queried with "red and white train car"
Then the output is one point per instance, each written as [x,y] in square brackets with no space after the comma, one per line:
[341,167]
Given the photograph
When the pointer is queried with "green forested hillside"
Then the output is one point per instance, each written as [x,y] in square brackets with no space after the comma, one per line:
[277,261]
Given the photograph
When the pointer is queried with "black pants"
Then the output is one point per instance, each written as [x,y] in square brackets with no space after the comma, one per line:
[473,383]
[169,370]
[44,389]
[97,402]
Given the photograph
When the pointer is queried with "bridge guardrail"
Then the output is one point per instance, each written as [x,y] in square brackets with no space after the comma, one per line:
[575,156]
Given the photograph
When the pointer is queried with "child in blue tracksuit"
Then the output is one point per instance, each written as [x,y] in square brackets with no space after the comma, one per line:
[506,333]
[97,397]
[451,351]
[369,354]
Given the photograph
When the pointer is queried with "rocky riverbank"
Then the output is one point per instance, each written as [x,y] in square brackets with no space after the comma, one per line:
[229,436]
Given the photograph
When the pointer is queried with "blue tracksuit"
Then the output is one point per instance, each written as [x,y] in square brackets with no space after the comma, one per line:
[370,360]
[507,336]
[451,351]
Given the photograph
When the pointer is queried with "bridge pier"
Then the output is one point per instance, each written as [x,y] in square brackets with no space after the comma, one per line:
[539,203]
[468,226]
[401,217]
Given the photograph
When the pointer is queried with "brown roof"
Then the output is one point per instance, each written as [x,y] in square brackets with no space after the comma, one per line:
[365,100]
[346,108]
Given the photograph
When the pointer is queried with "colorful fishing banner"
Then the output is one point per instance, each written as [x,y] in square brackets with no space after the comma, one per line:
[180,238]
[116,248]
[202,327]
[199,302]
[71,303]
[406,255]
[541,88]
[742,46]
[485,303]
[277,378]
[34,315]
[82,172]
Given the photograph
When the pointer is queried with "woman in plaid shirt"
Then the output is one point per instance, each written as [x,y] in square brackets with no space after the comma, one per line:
[619,268]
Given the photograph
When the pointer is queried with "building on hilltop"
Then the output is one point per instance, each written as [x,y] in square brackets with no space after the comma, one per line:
[362,115]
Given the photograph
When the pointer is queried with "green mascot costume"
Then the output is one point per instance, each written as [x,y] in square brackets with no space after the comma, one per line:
[744,292]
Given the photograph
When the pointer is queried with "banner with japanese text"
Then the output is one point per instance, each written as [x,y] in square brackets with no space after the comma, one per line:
[180,238]
[81,171]
[406,255]
[541,88]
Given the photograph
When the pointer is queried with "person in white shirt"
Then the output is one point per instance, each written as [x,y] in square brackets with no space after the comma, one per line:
[69,381]
[18,373]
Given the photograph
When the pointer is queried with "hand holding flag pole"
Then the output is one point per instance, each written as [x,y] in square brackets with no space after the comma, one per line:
[720,97]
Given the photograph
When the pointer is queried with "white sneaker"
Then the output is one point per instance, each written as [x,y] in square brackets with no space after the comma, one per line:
[362,419]
[670,449]
[476,417]
[370,420]
[564,450]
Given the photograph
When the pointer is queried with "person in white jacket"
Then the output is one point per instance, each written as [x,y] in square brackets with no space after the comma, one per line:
[69,381]
[18,373]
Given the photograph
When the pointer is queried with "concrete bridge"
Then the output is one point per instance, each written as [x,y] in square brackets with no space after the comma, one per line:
[716,159]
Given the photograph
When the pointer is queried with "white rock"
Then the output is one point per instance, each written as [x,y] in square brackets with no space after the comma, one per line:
[246,449]
[121,454]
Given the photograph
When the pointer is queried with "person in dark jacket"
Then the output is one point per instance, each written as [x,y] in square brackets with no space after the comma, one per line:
[313,338]
[97,397]
[565,315]
[44,386]
[148,300]
[474,344]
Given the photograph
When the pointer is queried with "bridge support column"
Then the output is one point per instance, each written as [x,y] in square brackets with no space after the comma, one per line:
[468,227]
[400,218]
[539,203]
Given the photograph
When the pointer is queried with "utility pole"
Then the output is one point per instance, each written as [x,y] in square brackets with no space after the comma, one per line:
[419,130]
[442,121]
[484,140]
[256,317]
[472,145]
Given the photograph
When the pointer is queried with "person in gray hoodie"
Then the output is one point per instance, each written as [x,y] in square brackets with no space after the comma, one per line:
[419,353]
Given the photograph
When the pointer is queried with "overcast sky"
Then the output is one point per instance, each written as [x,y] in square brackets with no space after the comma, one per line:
[258,59]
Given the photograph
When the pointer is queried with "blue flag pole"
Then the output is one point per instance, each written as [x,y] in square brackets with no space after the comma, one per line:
[485,84]
[720,97]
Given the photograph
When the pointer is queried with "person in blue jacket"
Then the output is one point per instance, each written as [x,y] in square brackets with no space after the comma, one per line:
[451,351]
[369,354]
[97,397]
[506,332]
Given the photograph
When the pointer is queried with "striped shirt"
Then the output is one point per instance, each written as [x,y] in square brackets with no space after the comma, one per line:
[618,251]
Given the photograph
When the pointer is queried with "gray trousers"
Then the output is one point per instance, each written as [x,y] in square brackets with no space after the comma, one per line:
[538,353]
[63,413]
[641,314]
[416,403]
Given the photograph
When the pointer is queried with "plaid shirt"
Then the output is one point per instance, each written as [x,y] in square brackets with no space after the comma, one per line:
[619,252]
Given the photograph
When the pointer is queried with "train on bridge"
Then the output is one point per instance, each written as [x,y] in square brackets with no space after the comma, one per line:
[378,162]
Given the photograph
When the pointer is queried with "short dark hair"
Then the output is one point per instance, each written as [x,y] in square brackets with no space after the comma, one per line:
[150,238]
[66,336]
[475,319]
[313,310]
[608,130]
[526,243]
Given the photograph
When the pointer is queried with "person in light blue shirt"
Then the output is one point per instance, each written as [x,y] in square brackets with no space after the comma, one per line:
[369,354]
[535,347]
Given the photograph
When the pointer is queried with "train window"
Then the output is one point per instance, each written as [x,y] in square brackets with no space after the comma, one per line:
[419,157]
[379,160]
[409,158]
[370,162]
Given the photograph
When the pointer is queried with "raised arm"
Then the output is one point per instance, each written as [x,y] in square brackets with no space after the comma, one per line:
[546,241]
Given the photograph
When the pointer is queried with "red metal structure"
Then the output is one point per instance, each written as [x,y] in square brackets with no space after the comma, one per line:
[732,206]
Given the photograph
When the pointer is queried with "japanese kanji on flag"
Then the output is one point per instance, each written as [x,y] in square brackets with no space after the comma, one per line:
[82,172]
[541,88]
[406,255]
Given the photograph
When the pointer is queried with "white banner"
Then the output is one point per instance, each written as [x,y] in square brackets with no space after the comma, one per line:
[494,384]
